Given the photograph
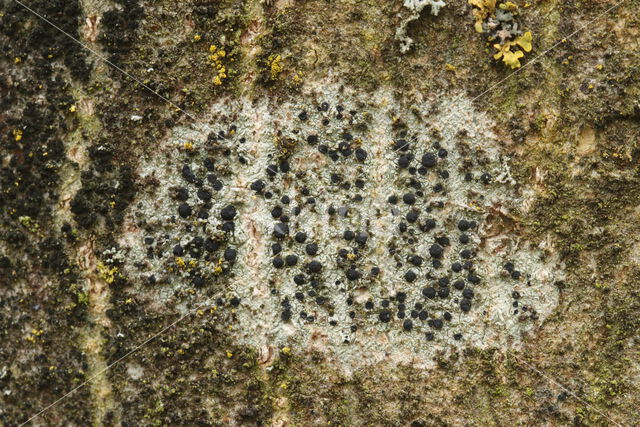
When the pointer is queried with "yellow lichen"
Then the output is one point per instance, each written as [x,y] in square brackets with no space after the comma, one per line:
[107,274]
[512,58]
[508,6]
[83,298]
[297,77]
[28,223]
[216,62]
[218,268]
[275,67]
[17,134]
[484,9]
[524,41]
[508,49]
[35,333]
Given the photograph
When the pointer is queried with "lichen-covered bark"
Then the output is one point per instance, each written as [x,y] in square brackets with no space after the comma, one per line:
[75,134]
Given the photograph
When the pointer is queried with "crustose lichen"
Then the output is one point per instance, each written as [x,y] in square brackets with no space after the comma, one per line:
[345,218]
[415,6]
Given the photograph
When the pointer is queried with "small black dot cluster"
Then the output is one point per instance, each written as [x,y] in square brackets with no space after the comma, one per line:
[421,177]
[197,240]
[327,259]
[525,311]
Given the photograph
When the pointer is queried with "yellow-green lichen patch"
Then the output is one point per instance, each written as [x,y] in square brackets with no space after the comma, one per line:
[497,20]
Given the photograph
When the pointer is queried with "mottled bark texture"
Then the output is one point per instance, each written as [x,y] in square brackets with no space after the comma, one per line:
[106,238]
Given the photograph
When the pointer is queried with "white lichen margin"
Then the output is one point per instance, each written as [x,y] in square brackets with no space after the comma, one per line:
[416,7]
